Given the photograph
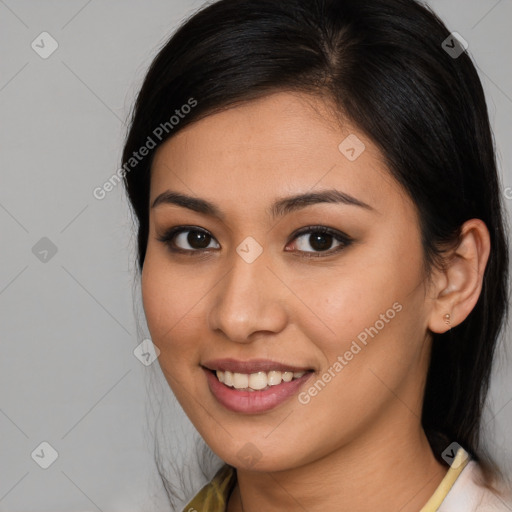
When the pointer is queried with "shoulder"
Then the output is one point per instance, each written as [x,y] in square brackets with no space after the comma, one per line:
[468,494]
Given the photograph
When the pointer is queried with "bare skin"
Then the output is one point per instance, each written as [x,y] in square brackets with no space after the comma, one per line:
[357,445]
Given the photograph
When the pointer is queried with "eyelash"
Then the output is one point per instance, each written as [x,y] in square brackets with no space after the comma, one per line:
[168,237]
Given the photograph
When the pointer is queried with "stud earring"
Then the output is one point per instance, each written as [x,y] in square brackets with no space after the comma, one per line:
[447,319]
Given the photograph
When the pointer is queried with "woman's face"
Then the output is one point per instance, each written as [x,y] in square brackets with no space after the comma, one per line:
[252,285]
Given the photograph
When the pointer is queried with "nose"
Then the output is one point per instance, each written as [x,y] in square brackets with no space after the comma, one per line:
[248,301]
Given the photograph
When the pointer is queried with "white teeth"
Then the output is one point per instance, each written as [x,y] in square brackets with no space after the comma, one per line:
[240,380]
[228,378]
[287,376]
[256,381]
[273,378]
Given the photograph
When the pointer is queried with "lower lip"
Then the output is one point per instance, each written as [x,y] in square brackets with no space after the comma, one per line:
[253,401]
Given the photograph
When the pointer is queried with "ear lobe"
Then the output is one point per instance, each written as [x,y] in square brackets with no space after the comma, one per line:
[458,287]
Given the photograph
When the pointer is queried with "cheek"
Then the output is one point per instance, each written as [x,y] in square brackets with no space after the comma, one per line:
[171,304]
[375,346]
[346,301]
[370,317]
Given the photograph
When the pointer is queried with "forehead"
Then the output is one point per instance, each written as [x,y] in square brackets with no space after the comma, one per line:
[284,143]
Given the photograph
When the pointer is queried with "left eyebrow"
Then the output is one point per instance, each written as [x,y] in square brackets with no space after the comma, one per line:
[293,203]
[280,208]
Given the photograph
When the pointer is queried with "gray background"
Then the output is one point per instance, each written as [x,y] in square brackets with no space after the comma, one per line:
[68,375]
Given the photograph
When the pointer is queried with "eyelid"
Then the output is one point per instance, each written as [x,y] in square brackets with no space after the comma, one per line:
[320,229]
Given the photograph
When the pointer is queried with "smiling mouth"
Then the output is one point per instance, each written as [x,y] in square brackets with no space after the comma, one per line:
[258,381]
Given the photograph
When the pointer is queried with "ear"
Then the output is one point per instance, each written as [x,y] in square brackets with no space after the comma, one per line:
[456,288]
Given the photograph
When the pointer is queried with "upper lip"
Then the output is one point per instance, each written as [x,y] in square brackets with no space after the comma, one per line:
[251,366]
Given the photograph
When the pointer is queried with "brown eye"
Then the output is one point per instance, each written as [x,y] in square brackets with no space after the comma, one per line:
[196,239]
[188,239]
[321,240]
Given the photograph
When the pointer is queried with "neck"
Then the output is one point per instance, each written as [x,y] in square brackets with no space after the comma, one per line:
[389,468]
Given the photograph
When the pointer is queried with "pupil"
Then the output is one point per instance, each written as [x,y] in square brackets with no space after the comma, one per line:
[198,239]
[321,241]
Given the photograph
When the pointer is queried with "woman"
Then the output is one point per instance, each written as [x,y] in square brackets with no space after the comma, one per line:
[322,253]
